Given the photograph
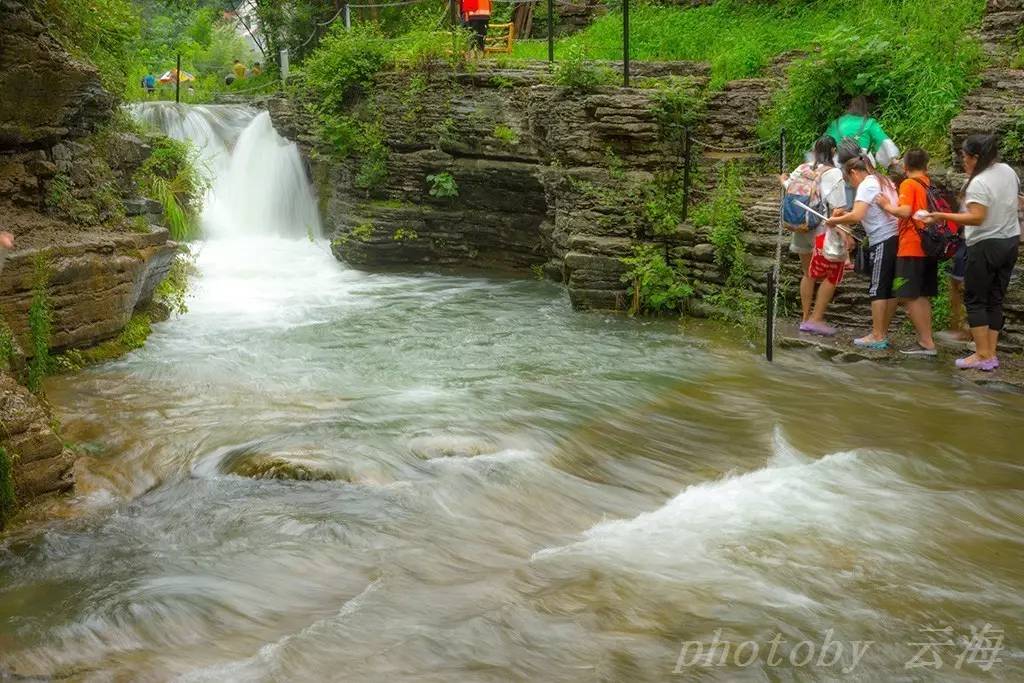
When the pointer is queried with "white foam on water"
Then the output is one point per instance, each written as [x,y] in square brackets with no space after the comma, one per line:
[792,499]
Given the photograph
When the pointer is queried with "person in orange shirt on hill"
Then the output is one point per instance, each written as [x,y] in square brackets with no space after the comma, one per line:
[476,15]
[917,275]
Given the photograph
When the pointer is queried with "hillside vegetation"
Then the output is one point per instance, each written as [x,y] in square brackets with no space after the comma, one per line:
[916,58]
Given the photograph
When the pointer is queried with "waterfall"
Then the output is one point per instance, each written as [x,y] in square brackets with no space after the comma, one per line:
[258,184]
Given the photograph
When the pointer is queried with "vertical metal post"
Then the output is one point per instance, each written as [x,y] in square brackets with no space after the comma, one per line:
[348,18]
[686,172]
[452,18]
[625,43]
[551,31]
[177,81]
[769,325]
[782,151]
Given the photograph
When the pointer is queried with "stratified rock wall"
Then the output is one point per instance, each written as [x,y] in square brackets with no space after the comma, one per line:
[67,194]
[45,93]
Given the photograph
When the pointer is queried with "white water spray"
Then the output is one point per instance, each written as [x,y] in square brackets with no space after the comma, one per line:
[258,183]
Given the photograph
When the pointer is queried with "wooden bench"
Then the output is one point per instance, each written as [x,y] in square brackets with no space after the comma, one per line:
[500,38]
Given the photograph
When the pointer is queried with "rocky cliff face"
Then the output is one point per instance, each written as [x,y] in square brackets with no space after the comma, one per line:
[68,196]
[47,94]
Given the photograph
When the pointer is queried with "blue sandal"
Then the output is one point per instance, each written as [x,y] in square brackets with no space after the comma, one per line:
[872,345]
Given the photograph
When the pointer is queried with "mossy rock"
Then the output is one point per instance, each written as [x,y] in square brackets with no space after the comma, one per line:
[273,467]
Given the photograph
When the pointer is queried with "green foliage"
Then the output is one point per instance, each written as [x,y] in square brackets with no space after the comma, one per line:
[656,287]
[723,217]
[506,134]
[173,289]
[1013,139]
[59,197]
[373,167]
[504,82]
[679,103]
[345,66]
[443,185]
[663,204]
[7,499]
[573,70]
[918,78]
[917,56]
[616,168]
[362,232]
[7,355]
[103,32]
[171,176]
[40,325]
[740,307]
[941,307]
[404,234]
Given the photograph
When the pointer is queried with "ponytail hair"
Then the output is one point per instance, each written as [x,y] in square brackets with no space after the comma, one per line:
[824,150]
[985,148]
[862,163]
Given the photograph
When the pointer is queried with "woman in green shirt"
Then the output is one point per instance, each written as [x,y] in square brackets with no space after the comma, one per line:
[858,124]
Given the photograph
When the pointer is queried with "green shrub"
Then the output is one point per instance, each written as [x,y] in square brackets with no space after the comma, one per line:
[171,176]
[7,355]
[404,234]
[679,103]
[7,499]
[506,134]
[918,78]
[722,215]
[373,167]
[345,65]
[443,185]
[574,71]
[173,289]
[1013,139]
[663,204]
[40,325]
[103,32]
[655,286]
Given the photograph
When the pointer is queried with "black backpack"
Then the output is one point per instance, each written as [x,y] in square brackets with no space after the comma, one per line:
[938,240]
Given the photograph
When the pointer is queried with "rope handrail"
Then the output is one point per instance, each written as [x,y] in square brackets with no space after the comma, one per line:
[743,148]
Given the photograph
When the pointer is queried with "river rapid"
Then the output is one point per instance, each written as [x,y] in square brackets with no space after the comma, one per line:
[487,486]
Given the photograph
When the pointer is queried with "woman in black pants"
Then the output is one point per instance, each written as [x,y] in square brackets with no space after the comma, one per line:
[992,229]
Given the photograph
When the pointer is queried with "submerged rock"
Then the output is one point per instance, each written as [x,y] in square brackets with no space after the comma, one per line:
[271,467]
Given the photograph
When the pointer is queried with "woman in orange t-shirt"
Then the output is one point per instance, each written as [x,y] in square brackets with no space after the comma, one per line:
[917,276]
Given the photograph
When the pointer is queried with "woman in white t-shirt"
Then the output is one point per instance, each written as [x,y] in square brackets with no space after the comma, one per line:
[831,189]
[992,230]
[883,240]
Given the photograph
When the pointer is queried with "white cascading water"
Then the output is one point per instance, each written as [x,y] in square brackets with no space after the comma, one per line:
[258,185]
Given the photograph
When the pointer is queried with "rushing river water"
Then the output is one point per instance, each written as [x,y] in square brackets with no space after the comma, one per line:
[502,489]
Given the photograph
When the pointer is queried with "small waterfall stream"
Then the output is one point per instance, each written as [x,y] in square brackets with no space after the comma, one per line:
[258,185]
